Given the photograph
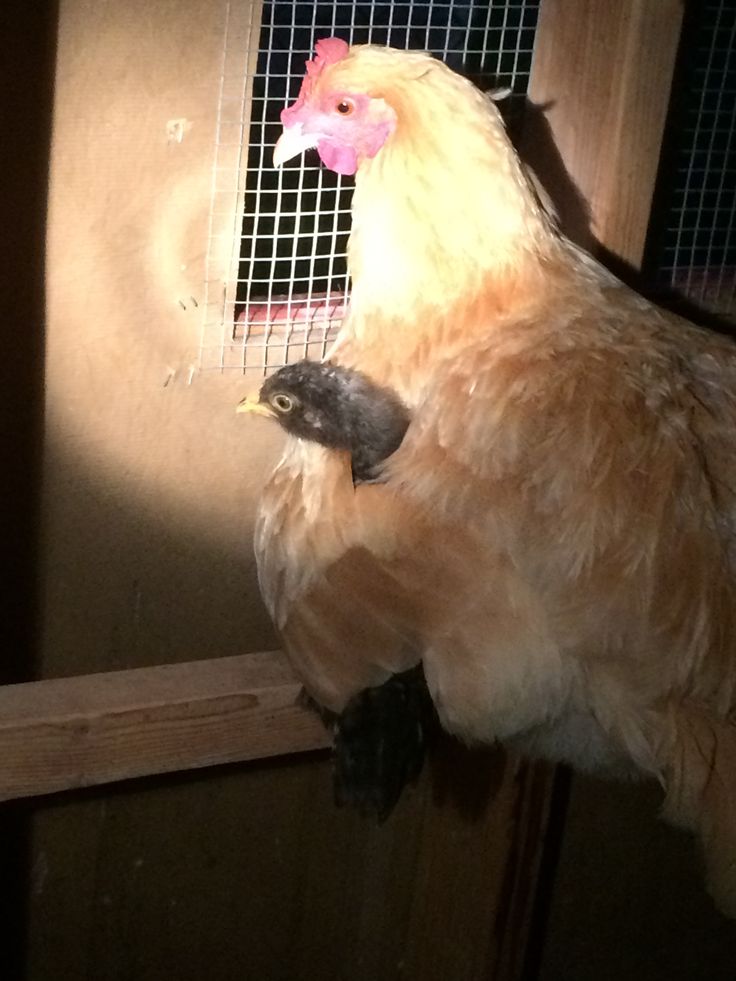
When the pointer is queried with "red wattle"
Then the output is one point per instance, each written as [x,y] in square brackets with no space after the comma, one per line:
[342,159]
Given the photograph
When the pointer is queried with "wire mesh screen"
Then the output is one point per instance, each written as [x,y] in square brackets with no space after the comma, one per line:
[698,242]
[288,286]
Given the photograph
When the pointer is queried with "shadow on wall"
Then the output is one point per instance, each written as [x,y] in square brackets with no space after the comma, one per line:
[26,84]
[136,578]
[26,91]
[245,872]
[533,137]
[628,896]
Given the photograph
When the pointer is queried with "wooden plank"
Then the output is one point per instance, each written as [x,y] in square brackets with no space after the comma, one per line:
[92,729]
[602,72]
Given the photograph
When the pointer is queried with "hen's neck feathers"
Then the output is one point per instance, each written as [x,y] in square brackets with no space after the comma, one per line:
[444,219]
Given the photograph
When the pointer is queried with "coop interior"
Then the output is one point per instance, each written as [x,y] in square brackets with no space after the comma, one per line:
[166,808]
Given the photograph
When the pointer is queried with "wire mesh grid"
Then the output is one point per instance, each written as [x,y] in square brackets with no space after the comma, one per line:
[699,254]
[286,287]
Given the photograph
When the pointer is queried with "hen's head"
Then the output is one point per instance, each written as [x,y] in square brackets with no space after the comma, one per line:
[341,109]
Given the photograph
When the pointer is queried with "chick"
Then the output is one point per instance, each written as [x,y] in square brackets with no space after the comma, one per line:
[338,407]
[381,735]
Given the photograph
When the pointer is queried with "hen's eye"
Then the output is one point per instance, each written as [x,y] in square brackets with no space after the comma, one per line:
[282,403]
[345,107]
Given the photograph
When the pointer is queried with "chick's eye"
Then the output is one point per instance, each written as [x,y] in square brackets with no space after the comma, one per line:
[282,403]
[345,107]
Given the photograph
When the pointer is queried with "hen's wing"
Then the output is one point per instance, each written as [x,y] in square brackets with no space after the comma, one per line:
[588,453]
[547,537]
[326,557]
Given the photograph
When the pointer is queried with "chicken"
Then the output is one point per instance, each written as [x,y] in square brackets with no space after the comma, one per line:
[554,538]
[381,735]
[335,407]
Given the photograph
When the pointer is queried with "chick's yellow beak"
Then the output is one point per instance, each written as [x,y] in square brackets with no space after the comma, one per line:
[251,404]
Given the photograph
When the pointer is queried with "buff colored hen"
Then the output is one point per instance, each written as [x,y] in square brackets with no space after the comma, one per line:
[554,540]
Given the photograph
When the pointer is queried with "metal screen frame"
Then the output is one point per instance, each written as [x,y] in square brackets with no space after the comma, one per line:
[698,239]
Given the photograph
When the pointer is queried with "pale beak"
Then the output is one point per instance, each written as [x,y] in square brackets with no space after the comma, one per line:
[291,143]
[251,404]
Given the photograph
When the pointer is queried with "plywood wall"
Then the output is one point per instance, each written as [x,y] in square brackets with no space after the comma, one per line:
[150,479]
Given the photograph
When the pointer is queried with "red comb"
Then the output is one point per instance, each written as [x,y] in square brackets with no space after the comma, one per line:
[328,51]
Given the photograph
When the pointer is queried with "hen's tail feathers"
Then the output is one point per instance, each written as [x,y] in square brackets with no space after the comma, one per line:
[701,795]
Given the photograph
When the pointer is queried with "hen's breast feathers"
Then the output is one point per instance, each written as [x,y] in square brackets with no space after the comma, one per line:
[562,468]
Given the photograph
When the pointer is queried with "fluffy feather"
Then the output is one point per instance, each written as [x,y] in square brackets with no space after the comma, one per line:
[555,536]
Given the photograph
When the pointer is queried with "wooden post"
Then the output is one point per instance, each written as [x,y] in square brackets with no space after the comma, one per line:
[602,72]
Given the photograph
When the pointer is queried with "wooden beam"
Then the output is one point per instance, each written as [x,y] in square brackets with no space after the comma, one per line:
[92,729]
[602,72]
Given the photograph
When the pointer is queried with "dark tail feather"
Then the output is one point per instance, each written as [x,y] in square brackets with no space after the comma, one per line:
[380,743]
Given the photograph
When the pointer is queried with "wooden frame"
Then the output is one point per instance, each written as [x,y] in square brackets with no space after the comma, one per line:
[60,734]
[78,732]
[606,109]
